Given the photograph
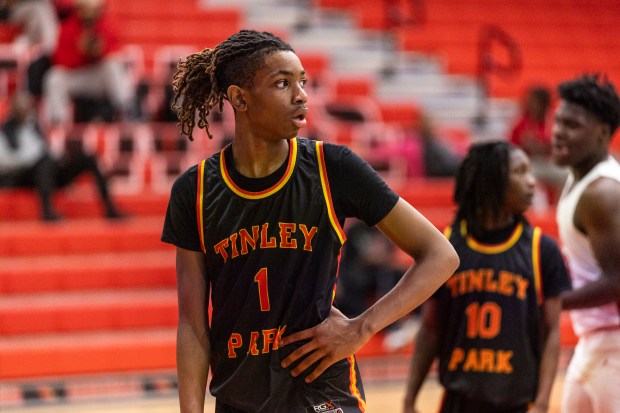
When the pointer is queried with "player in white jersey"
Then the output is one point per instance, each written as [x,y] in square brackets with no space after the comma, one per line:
[588,217]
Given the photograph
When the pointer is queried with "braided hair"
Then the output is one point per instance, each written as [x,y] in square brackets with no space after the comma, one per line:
[202,80]
[596,94]
[482,183]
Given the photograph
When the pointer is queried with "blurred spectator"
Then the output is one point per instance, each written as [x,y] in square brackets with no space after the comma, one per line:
[39,23]
[166,112]
[26,161]
[532,132]
[87,65]
[439,159]
[423,150]
[367,269]
[64,8]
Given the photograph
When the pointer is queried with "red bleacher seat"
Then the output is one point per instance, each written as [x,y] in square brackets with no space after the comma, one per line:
[402,114]
[336,4]
[353,86]
[558,40]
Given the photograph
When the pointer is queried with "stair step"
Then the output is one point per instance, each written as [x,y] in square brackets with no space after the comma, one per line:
[84,235]
[427,192]
[124,351]
[87,353]
[87,311]
[77,201]
[29,274]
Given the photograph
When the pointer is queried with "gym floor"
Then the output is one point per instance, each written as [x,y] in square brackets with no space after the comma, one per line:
[381,398]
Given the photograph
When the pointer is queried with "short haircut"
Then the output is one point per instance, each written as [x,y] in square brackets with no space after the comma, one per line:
[596,94]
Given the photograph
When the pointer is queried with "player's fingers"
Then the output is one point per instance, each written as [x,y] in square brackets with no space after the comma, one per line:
[306,363]
[298,336]
[298,353]
[323,365]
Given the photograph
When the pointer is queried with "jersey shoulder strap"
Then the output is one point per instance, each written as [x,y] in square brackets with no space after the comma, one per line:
[200,177]
[536,236]
[327,193]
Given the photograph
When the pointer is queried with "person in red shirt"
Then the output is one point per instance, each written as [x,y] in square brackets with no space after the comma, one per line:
[86,63]
[532,133]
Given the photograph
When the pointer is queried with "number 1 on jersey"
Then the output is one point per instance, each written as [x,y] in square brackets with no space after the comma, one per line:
[263,291]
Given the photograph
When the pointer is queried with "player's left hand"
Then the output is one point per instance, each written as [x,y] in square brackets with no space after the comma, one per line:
[334,339]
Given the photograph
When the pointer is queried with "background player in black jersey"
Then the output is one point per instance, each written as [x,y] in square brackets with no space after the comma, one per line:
[494,325]
[258,229]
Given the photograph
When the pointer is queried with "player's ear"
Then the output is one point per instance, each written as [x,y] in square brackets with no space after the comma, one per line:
[236,97]
[606,132]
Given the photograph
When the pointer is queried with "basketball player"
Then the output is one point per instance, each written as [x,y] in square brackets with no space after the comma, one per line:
[258,229]
[494,325]
[588,216]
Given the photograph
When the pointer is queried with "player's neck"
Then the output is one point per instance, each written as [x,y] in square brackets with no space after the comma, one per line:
[503,220]
[580,170]
[257,159]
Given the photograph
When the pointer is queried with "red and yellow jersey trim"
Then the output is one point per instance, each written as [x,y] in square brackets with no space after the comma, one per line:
[199,200]
[290,167]
[355,391]
[327,193]
[536,264]
[492,248]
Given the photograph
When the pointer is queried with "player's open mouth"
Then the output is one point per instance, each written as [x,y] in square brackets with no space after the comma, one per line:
[560,149]
[300,120]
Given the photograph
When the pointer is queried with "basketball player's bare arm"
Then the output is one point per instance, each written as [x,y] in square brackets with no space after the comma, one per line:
[552,307]
[426,345]
[598,216]
[193,332]
[339,337]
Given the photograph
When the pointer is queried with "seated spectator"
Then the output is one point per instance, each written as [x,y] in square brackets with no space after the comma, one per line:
[439,159]
[423,150]
[532,133]
[86,64]
[367,269]
[532,130]
[39,23]
[26,161]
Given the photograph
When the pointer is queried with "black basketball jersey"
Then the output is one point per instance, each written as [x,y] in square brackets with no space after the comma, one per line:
[489,316]
[272,258]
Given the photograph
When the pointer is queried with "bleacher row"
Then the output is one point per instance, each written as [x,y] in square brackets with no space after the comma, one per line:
[558,39]
[88,296]
[91,296]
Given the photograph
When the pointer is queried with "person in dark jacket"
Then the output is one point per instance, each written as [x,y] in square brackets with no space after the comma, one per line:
[26,161]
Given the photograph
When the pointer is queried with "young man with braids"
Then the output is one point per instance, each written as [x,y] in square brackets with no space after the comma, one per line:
[258,229]
[588,216]
[494,325]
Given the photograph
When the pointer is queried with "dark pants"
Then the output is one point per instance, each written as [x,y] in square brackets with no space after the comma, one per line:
[49,174]
[456,403]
